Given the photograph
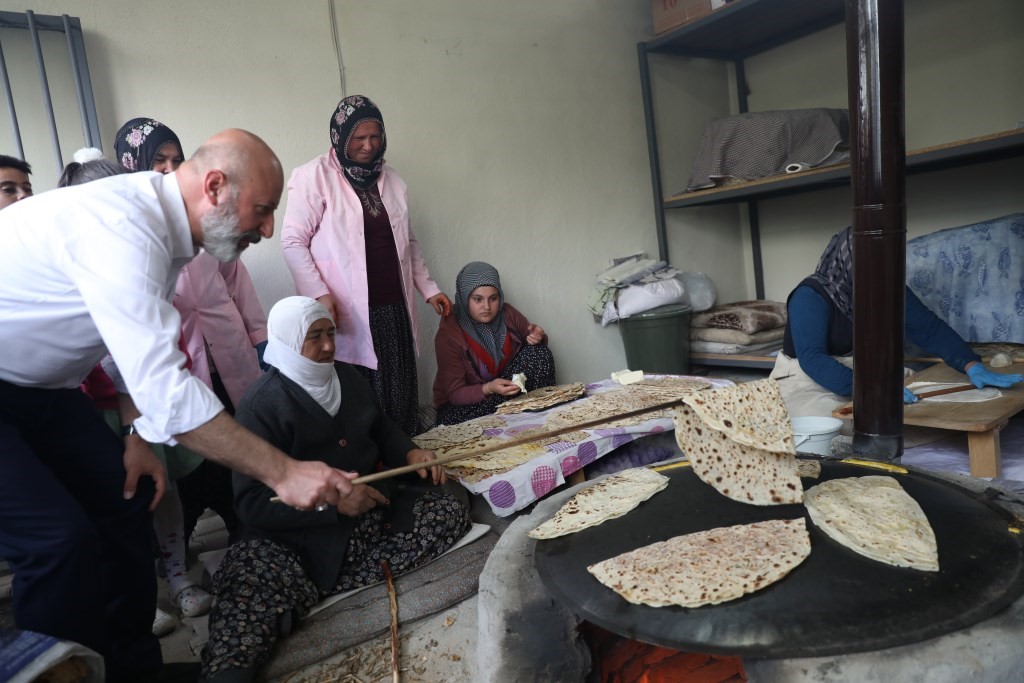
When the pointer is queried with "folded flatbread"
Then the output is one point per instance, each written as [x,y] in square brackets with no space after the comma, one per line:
[752,413]
[875,517]
[707,567]
[607,499]
[737,471]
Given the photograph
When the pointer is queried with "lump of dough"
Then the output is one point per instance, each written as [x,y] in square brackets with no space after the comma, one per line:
[1001,360]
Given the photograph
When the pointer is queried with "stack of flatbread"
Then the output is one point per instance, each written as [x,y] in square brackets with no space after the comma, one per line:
[607,499]
[875,517]
[739,440]
[624,399]
[707,567]
[443,436]
[542,398]
[503,459]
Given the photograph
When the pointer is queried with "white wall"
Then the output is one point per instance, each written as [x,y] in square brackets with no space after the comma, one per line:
[517,125]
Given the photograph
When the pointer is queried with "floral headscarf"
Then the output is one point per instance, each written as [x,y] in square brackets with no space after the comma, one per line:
[352,111]
[835,271]
[490,336]
[139,140]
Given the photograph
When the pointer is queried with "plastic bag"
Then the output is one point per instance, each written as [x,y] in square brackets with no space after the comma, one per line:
[700,289]
[640,298]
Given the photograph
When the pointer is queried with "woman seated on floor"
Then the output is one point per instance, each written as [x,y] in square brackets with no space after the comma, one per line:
[482,346]
[288,560]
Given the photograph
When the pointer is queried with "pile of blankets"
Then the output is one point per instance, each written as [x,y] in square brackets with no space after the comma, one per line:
[740,328]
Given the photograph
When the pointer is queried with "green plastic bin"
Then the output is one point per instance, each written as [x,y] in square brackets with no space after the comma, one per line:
[658,340]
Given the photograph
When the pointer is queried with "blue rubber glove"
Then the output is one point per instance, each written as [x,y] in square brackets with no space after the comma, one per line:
[909,396]
[981,377]
[260,348]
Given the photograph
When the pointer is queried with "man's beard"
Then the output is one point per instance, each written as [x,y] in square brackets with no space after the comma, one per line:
[221,238]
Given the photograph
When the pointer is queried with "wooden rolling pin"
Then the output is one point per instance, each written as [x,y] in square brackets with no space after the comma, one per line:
[848,410]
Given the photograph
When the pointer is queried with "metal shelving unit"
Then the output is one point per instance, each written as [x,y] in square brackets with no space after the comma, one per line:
[743,29]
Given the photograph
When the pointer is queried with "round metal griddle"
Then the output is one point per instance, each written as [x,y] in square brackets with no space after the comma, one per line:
[836,602]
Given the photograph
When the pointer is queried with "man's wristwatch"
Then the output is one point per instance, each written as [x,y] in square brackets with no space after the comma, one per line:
[128,430]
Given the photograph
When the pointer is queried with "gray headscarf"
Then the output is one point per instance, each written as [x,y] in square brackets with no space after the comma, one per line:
[491,336]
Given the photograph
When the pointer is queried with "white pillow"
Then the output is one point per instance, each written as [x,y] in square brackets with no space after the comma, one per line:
[639,298]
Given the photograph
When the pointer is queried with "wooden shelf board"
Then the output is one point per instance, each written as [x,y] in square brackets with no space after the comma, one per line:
[747,27]
[733,360]
[948,155]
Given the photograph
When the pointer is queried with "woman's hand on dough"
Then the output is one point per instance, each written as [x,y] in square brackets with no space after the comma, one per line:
[983,377]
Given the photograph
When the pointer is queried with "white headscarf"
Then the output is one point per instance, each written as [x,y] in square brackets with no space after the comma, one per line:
[287,325]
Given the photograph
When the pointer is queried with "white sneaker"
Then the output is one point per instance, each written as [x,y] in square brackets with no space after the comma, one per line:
[193,601]
[163,623]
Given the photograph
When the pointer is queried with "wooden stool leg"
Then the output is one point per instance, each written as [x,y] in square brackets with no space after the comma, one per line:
[986,458]
[577,477]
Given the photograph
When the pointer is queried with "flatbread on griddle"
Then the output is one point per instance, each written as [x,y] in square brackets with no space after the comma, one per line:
[737,471]
[875,517]
[752,413]
[707,567]
[607,499]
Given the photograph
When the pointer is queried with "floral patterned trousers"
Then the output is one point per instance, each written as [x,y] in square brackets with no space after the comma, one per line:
[261,586]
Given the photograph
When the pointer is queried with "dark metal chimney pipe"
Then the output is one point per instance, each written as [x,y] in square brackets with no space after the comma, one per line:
[874,61]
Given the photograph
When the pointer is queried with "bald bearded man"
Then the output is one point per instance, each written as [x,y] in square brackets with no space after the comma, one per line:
[88,270]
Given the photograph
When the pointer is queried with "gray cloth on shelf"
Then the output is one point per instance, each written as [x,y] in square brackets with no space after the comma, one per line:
[761,144]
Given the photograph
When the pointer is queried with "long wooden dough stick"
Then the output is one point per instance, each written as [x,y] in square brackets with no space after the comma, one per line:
[512,443]
[393,599]
[925,394]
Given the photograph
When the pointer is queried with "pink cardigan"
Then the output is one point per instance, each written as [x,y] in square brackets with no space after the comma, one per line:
[220,310]
[457,381]
[322,242]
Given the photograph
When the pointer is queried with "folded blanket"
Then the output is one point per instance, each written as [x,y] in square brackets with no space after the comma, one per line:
[744,316]
[763,349]
[713,334]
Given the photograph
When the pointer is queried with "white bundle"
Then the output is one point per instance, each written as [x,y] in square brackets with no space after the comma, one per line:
[87,154]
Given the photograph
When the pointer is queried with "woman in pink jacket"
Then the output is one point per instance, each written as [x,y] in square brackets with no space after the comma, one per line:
[347,242]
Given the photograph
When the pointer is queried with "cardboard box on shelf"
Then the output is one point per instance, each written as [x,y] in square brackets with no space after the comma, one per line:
[670,14]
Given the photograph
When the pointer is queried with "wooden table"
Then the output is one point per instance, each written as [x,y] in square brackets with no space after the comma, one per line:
[982,421]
